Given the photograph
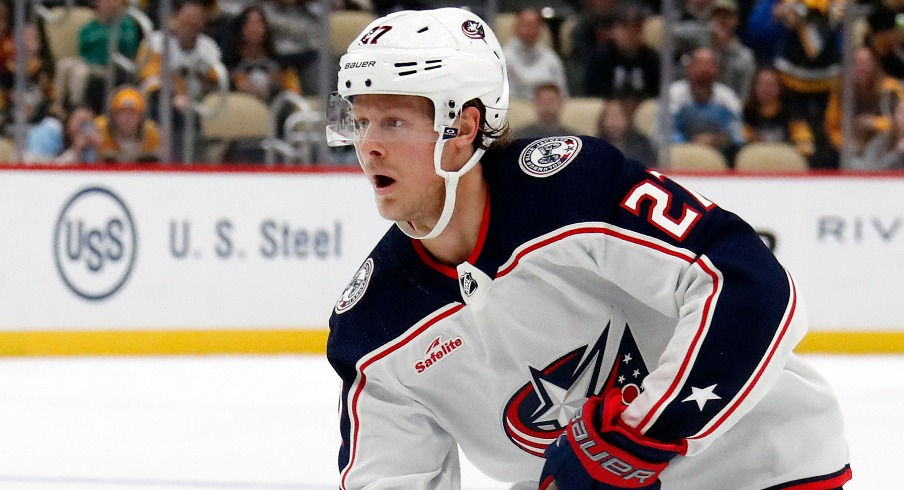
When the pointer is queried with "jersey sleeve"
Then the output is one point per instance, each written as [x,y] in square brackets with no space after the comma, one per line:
[391,441]
[737,309]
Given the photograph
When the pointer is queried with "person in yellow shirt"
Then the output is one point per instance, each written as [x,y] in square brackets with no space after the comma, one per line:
[127,136]
[874,97]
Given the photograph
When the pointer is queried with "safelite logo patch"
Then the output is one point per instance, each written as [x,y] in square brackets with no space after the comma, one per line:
[439,349]
[547,156]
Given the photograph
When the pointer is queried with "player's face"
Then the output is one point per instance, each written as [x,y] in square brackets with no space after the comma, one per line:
[396,153]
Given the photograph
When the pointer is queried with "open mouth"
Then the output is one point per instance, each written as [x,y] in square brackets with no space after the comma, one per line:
[382,181]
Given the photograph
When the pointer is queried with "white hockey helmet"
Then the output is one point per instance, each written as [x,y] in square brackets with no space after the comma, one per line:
[449,56]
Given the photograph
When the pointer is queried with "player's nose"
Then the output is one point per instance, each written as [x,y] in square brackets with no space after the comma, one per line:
[371,147]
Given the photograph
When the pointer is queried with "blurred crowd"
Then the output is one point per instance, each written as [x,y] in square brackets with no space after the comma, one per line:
[823,77]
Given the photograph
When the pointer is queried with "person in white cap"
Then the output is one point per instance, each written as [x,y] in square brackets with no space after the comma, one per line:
[566,317]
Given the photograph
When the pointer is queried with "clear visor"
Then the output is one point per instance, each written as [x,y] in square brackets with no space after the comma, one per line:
[398,124]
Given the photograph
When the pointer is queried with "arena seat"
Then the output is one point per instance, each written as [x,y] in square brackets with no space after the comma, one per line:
[644,119]
[582,113]
[696,157]
[243,116]
[770,157]
[7,151]
[504,28]
[62,28]
[345,25]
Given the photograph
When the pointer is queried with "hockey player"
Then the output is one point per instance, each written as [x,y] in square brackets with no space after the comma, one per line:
[567,317]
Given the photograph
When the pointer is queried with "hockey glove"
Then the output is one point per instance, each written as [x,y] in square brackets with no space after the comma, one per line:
[599,452]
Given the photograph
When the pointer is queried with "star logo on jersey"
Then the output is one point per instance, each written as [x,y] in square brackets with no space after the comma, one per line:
[355,289]
[629,370]
[541,409]
[468,284]
[702,395]
[547,156]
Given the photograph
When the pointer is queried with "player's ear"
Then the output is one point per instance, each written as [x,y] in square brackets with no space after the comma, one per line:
[470,124]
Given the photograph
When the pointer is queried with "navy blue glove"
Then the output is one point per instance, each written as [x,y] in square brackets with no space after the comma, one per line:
[599,452]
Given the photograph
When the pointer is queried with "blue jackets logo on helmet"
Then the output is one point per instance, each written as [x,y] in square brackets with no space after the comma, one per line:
[473,29]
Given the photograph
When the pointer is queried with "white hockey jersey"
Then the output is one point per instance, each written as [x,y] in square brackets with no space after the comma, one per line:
[591,273]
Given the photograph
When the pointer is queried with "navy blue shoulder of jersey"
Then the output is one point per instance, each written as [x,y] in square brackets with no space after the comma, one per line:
[592,186]
[399,292]
[529,200]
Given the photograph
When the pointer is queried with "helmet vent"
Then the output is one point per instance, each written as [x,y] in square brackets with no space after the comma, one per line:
[430,65]
[423,29]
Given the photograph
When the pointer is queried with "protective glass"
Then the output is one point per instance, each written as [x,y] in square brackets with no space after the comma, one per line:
[343,128]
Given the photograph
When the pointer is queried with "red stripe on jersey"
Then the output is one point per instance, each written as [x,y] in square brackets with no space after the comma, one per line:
[472,258]
[828,484]
[353,411]
[691,353]
[759,373]
[430,261]
[592,229]
[707,310]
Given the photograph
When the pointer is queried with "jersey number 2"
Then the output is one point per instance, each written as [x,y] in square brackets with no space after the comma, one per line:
[657,214]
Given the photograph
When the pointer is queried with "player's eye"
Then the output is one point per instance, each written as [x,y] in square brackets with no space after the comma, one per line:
[395,123]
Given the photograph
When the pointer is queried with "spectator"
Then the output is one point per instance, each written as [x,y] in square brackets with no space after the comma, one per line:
[614,126]
[81,79]
[763,32]
[885,151]
[874,94]
[217,22]
[692,29]
[39,89]
[736,61]
[624,66]
[126,135]
[297,35]
[7,40]
[809,62]
[529,61]
[767,118]
[706,111]
[75,140]
[593,28]
[548,103]
[192,58]
[886,35]
[251,58]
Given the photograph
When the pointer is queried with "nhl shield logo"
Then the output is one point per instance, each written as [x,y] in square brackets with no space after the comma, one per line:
[468,283]
[355,289]
[547,156]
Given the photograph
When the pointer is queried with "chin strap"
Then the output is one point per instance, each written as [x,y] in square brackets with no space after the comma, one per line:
[451,189]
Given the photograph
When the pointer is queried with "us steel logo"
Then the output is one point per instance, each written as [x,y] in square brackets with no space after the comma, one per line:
[95,243]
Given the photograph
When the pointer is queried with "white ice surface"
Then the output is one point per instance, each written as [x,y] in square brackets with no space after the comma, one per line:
[270,422]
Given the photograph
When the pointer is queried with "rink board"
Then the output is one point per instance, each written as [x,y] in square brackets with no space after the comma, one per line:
[96,261]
